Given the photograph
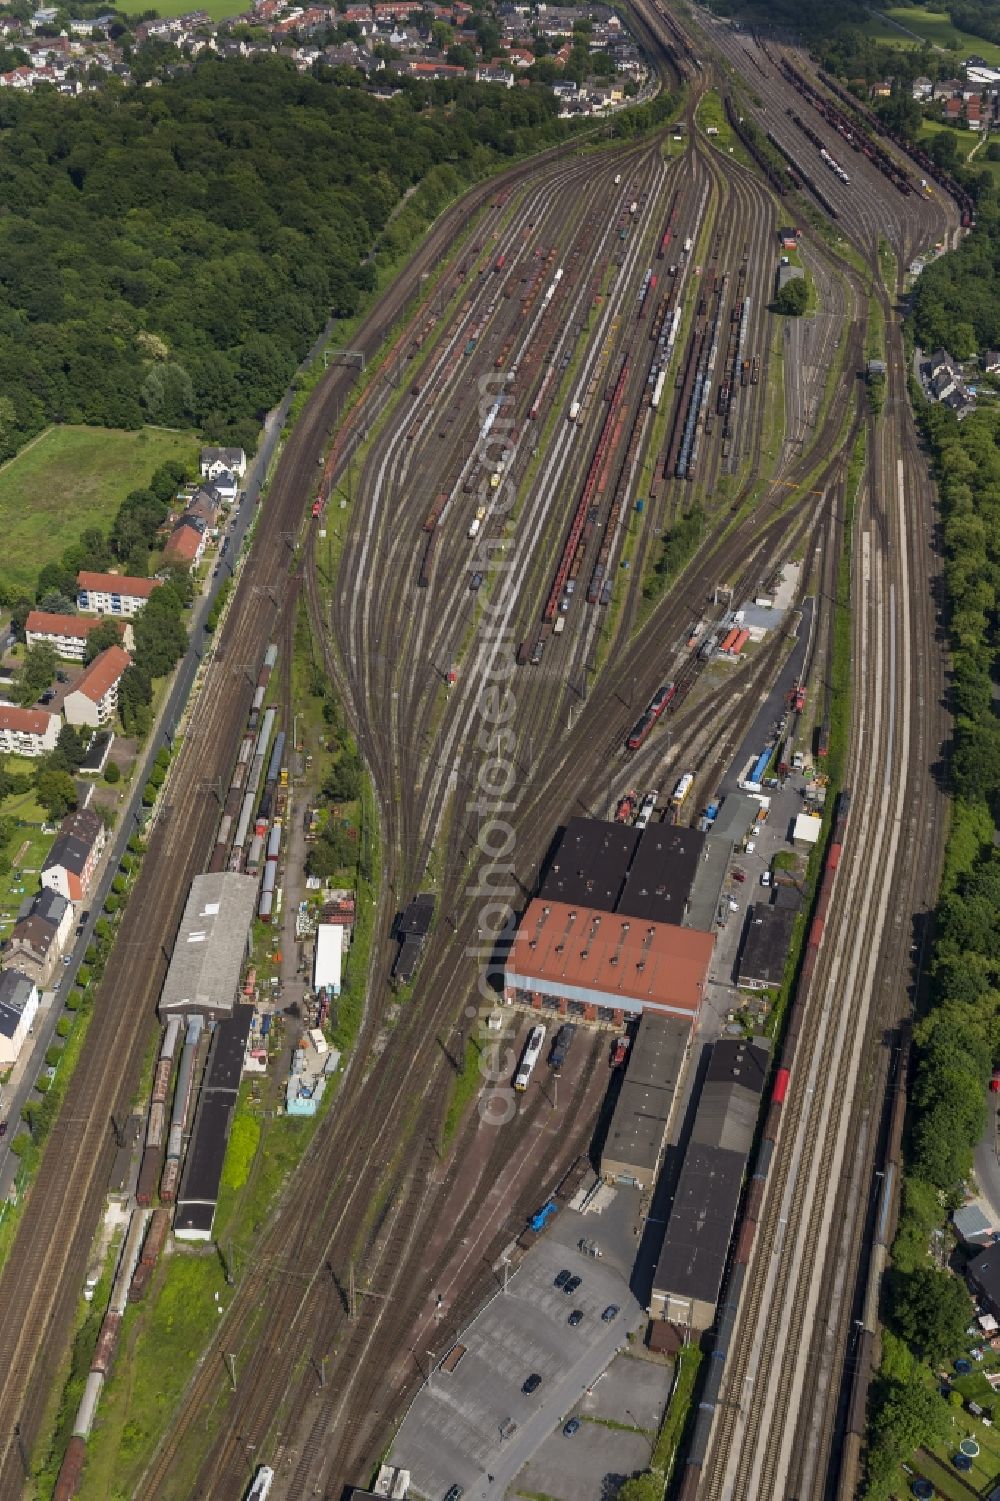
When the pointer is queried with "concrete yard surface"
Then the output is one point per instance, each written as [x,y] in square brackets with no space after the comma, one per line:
[475,1426]
[591,1466]
[633,1391]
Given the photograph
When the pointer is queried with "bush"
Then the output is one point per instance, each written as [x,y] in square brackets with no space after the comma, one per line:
[42,1083]
[20,1143]
[63,1026]
[74,1000]
[112,773]
[118,885]
[149,794]
[52,1056]
[83,975]
[112,903]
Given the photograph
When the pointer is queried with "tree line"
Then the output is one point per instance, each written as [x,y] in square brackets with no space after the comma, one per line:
[956,1040]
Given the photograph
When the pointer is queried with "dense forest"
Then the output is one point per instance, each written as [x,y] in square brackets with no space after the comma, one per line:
[168,254]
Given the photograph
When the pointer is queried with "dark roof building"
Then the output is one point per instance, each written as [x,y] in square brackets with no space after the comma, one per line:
[765,946]
[983,1271]
[688,1276]
[199,1190]
[412,926]
[614,867]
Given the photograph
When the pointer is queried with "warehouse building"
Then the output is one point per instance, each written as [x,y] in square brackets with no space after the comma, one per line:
[601,965]
[198,1195]
[645,1105]
[329,957]
[614,867]
[688,1276]
[766,943]
[211,944]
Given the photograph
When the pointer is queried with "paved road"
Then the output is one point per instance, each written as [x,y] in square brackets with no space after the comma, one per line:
[44,1031]
[987,1159]
[761,731]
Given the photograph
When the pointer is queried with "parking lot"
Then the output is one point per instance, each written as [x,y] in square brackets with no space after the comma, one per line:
[476,1426]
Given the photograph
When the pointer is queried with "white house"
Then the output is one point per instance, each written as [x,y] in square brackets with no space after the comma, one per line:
[68,633]
[112,593]
[93,699]
[27,732]
[18,1006]
[215,460]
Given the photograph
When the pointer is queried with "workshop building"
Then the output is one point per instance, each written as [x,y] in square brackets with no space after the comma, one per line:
[211,944]
[688,1277]
[645,1104]
[766,943]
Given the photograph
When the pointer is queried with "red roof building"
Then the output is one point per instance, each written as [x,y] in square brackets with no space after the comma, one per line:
[68,633]
[93,699]
[605,962]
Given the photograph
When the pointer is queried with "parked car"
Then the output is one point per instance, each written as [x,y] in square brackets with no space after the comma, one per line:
[573,1426]
[3,1128]
[572,1285]
[740,876]
[532,1384]
[563,1277]
[575,1318]
[454,1493]
[995,1082]
[765,878]
[611,1312]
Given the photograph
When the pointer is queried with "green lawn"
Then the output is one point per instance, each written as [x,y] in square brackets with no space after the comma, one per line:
[70,478]
[964,139]
[935,26]
[26,850]
[219,10]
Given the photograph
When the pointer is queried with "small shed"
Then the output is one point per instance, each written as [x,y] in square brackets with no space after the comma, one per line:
[807,828]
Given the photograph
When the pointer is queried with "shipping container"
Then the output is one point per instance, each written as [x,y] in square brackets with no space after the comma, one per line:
[256,854]
[265,906]
[107,1343]
[155,1124]
[271,655]
[175,1141]
[270,876]
[71,1470]
[161,1080]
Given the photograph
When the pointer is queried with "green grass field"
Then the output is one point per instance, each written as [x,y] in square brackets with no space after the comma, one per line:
[219,10]
[70,478]
[935,26]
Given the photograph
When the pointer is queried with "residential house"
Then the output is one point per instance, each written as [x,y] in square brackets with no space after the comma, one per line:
[27,732]
[974,113]
[946,87]
[923,89]
[18,1007]
[215,460]
[33,947]
[495,75]
[882,90]
[68,633]
[983,1272]
[93,699]
[112,593]
[71,862]
[205,505]
[186,544]
[789,237]
[990,362]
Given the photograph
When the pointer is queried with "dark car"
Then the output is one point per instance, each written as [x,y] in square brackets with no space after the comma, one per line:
[47,696]
[573,1426]
[572,1285]
[3,1128]
[611,1312]
[454,1493]
[576,1317]
[532,1384]
[563,1277]
[476,582]
[61,677]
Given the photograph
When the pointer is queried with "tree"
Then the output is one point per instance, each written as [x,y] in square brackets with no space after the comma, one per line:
[54,602]
[112,773]
[645,1487]
[36,674]
[343,784]
[944,149]
[930,1309]
[793,298]
[335,850]
[56,791]
[72,744]
[108,633]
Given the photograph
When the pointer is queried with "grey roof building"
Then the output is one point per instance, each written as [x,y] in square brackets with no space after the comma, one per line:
[688,1276]
[210,946]
[614,867]
[646,1101]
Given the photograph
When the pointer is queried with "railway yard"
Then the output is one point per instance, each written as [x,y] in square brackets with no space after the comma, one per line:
[578,370]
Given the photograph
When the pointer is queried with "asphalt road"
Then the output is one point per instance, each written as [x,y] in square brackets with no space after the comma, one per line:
[130,815]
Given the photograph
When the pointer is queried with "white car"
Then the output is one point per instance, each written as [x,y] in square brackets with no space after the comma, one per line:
[765,878]
[750,846]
